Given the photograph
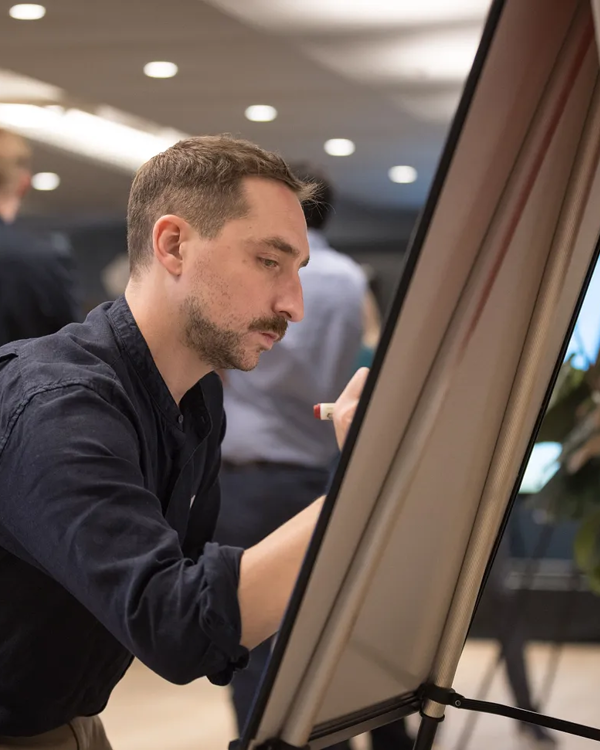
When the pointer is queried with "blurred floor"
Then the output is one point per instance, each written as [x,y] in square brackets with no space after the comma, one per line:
[147,713]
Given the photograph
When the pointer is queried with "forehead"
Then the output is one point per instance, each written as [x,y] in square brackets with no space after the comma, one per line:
[273,208]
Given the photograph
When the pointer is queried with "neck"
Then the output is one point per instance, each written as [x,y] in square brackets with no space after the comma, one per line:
[9,208]
[177,363]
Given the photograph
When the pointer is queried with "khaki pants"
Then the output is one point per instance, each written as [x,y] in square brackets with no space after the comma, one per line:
[85,733]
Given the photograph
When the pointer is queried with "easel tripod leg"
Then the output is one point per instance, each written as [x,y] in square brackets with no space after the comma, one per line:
[426,734]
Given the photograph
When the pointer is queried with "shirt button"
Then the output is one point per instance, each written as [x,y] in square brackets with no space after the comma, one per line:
[180,419]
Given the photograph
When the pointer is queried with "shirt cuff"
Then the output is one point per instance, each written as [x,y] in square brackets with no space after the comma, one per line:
[221,617]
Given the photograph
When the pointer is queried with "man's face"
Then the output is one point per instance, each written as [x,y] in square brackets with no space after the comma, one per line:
[244,285]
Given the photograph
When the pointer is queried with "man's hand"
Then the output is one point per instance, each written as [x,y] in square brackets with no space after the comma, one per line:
[345,406]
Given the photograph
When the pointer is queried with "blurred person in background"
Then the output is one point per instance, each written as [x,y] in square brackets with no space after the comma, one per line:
[37,289]
[276,456]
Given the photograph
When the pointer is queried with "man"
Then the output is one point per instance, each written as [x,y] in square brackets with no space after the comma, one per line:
[276,456]
[110,437]
[36,281]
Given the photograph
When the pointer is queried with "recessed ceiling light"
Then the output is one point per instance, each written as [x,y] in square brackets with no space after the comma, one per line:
[27,12]
[339,147]
[45,181]
[261,113]
[402,174]
[160,69]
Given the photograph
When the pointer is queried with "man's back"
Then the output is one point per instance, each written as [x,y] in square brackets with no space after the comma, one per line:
[36,287]
[269,410]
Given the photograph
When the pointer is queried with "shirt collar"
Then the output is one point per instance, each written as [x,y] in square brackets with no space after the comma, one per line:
[136,348]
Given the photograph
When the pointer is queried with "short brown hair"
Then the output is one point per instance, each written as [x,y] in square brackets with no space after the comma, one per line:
[15,160]
[199,179]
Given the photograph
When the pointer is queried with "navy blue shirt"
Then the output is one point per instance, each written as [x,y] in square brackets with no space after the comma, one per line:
[109,495]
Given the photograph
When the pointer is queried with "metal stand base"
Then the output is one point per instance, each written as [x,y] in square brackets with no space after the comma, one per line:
[447,697]
[275,744]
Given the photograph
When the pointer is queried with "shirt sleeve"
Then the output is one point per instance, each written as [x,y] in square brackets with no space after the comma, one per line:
[74,503]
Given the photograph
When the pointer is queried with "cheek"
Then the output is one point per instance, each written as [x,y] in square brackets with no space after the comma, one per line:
[230,299]
[223,306]
[211,290]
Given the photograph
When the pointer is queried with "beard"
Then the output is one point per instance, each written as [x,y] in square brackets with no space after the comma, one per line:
[223,348]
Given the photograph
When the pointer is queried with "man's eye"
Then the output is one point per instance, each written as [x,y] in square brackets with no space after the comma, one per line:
[269,262]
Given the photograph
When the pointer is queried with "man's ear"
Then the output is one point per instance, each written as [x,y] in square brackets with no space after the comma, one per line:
[168,234]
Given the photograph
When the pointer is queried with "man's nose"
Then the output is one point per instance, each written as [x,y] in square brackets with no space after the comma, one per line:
[291,302]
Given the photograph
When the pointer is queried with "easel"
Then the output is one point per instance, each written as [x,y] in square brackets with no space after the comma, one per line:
[496,272]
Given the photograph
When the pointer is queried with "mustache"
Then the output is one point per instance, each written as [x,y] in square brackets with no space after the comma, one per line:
[276,325]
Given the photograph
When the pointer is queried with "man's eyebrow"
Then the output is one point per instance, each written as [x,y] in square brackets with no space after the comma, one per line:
[280,244]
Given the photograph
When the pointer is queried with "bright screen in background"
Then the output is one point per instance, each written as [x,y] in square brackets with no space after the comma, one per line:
[542,466]
[584,346]
[585,341]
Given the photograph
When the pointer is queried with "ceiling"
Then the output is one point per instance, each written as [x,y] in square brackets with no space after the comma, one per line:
[231,54]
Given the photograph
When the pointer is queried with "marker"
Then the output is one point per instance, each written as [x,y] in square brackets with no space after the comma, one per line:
[323,411]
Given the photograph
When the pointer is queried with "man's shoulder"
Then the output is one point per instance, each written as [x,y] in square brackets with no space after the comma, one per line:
[69,358]
[53,374]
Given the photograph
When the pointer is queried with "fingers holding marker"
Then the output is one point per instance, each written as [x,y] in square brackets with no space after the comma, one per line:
[323,411]
[342,412]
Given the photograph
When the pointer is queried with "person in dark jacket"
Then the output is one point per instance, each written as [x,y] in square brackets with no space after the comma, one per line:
[37,290]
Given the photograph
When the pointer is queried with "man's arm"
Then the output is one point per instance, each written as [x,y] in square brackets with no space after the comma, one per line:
[269,570]
[76,505]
